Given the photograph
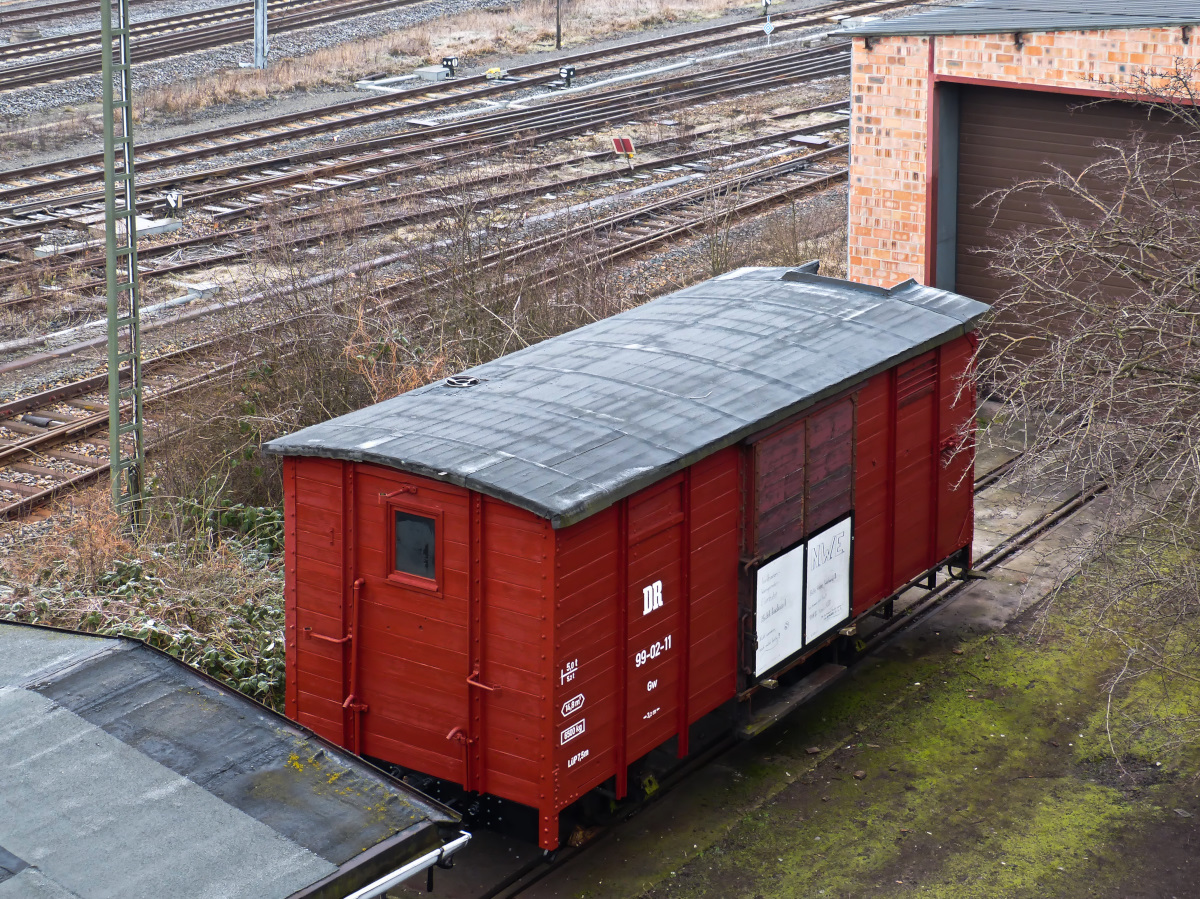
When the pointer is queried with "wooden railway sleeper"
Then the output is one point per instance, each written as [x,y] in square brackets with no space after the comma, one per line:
[373,158]
[238,136]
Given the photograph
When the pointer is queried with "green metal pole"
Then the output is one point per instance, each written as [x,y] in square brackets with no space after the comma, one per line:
[125,432]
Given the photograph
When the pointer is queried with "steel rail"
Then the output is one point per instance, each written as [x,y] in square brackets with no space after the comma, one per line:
[404,292]
[539,188]
[49,178]
[93,424]
[597,110]
[45,45]
[773,66]
[614,220]
[1004,550]
[401,219]
[93,383]
[62,9]
[338,116]
[312,13]
[537,246]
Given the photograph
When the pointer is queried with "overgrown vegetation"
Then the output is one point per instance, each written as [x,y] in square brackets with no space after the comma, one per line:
[205,582]
[67,125]
[1096,351]
[525,26]
[206,591]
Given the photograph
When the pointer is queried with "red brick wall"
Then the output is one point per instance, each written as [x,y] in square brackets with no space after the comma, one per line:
[890,95]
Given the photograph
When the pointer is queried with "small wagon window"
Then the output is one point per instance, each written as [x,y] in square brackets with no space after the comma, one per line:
[415,545]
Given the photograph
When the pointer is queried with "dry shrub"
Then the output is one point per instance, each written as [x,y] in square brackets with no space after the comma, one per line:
[213,600]
[46,136]
[386,366]
[520,28]
[806,230]
[1092,347]
[84,546]
[722,248]
[390,54]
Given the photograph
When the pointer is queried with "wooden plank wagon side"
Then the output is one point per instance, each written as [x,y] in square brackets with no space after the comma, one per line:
[526,578]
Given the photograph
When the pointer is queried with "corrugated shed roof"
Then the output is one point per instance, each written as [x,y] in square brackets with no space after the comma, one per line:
[124,772]
[569,426]
[998,16]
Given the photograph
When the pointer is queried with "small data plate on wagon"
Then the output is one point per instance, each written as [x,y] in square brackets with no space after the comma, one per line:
[827,581]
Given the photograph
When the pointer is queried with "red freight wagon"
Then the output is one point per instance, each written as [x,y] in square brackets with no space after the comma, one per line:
[524,578]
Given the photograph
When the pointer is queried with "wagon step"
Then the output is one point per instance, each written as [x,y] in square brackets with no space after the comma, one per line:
[790,698]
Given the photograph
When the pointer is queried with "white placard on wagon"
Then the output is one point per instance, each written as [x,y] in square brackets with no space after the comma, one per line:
[827,587]
[779,609]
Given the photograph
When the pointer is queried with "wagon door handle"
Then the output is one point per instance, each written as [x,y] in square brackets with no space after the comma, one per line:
[472,679]
[308,632]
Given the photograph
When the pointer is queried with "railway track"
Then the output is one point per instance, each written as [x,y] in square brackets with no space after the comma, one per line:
[264,175]
[49,434]
[632,231]
[554,236]
[149,28]
[302,179]
[27,190]
[557,236]
[29,482]
[162,38]
[37,13]
[63,445]
[911,607]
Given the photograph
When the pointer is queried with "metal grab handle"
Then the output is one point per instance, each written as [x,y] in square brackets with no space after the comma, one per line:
[407,488]
[471,679]
[308,632]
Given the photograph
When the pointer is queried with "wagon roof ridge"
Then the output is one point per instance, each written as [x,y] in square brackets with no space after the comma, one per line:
[570,425]
[1002,16]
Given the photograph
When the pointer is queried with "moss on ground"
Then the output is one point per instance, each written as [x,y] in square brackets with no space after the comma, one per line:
[982,772]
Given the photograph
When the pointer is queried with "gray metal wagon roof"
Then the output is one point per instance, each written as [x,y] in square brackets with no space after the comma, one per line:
[125,773]
[999,16]
[569,426]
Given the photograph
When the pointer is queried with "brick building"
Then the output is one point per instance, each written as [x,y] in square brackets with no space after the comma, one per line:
[952,103]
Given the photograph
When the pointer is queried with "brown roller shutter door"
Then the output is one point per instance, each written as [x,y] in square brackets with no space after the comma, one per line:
[1007,136]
